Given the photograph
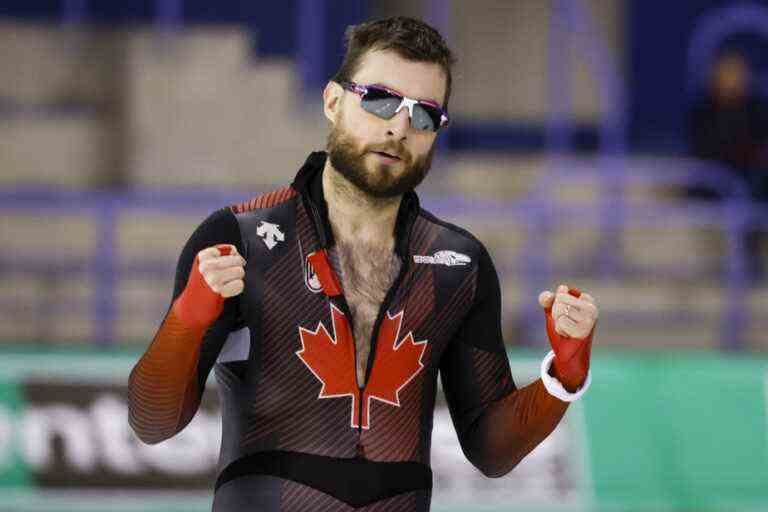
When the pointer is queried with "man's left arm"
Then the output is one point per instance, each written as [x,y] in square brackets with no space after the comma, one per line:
[498,424]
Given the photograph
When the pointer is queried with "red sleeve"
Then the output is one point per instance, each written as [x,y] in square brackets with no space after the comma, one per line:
[497,424]
[166,385]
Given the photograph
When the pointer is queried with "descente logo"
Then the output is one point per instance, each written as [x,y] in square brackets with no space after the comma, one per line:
[448,258]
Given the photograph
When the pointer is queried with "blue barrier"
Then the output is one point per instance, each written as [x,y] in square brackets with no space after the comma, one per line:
[536,213]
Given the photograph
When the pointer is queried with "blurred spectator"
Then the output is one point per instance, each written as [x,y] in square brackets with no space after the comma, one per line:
[729,125]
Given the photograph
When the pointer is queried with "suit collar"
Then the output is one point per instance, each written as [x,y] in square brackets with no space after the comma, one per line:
[309,183]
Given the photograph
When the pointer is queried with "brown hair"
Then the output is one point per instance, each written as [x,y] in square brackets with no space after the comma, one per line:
[410,38]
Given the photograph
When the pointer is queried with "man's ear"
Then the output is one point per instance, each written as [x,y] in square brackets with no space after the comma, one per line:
[332,100]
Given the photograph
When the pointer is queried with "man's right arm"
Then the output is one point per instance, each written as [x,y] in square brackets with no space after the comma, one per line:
[166,385]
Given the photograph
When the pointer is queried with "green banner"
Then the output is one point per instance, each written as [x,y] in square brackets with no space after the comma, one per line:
[684,431]
[656,432]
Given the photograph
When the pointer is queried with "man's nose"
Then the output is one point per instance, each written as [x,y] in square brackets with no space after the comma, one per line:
[399,124]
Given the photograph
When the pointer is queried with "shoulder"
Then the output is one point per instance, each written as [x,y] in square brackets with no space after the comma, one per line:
[219,227]
[268,220]
[223,225]
[458,259]
[268,200]
[456,239]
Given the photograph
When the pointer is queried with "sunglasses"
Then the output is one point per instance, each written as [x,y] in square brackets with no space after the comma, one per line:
[385,103]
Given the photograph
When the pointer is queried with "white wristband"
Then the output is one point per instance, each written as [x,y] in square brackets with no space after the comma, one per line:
[555,387]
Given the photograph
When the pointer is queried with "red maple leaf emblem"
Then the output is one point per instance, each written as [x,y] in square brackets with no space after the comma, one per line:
[396,364]
[332,361]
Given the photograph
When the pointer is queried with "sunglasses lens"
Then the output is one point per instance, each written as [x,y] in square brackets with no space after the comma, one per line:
[380,103]
[384,104]
[425,118]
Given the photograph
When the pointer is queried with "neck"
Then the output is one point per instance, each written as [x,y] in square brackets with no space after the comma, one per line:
[357,217]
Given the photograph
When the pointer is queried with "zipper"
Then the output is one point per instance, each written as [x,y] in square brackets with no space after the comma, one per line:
[387,299]
[372,353]
[382,311]
[380,319]
[318,222]
[342,300]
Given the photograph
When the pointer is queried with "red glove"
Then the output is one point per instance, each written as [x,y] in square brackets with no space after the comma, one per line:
[199,306]
[571,362]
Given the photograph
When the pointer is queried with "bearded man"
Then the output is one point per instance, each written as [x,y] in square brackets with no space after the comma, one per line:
[355,299]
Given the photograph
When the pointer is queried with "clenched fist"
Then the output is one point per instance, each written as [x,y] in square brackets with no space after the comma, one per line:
[217,273]
[223,269]
[571,317]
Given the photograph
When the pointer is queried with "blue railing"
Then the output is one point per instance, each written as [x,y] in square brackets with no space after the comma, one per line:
[536,213]
[734,215]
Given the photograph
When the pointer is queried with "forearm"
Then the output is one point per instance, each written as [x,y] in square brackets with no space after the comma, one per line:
[163,393]
[510,428]
[165,386]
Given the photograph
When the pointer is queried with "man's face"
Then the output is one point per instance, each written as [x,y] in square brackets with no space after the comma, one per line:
[358,138]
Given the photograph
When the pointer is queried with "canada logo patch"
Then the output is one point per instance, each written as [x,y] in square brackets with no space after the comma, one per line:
[331,359]
[310,276]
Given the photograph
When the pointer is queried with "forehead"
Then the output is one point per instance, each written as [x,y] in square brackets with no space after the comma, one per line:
[418,80]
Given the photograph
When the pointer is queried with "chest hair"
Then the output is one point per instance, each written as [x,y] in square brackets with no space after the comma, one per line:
[366,275]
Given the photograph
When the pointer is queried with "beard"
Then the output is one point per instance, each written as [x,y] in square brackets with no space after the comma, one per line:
[381,181]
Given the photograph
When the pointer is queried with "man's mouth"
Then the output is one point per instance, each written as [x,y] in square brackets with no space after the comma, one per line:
[388,155]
